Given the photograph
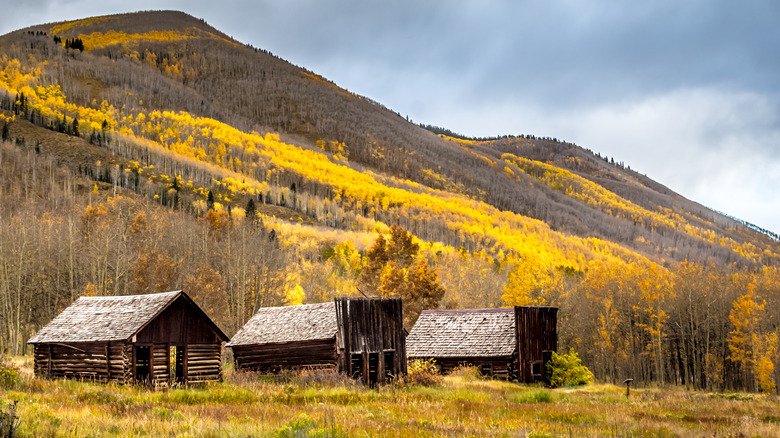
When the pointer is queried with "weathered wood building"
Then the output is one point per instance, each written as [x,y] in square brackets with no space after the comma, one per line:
[362,337]
[505,343]
[161,339]
[537,337]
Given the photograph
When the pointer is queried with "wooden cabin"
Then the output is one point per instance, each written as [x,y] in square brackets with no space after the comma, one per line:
[362,337]
[160,339]
[505,343]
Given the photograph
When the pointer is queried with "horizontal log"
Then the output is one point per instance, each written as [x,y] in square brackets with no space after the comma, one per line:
[192,370]
[208,360]
[202,372]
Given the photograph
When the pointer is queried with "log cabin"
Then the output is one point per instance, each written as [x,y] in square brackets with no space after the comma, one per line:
[160,339]
[362,337]
[512,344]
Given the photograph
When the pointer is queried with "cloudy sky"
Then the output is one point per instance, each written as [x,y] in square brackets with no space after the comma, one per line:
[687,92]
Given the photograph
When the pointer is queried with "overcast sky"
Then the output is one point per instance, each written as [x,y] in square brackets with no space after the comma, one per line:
[687,92]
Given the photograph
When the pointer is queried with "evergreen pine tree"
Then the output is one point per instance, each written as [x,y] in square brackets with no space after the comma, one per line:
[251,212]
[210,201]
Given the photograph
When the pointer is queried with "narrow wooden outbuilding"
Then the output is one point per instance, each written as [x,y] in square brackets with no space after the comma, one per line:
[362,337]
[161,339]
[504,343]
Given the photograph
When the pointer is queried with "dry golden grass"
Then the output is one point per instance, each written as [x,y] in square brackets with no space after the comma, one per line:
[328,406]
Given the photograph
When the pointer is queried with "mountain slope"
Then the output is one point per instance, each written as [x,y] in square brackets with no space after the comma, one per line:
[172,61]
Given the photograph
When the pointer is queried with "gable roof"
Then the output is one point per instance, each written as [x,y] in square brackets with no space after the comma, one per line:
[463,333]
[102,319]
[272,325]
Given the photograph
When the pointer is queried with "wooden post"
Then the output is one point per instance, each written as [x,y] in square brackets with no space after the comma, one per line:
[365,368]
[108,363]
[151,364]
[48,365]
[185,370]
[380,367]
[628,387]
[134,358]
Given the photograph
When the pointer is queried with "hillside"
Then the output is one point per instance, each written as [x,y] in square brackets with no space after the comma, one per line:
[136,141]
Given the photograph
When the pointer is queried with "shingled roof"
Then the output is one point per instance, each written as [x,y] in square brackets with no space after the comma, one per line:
[463,333]
[306,322]
[101,319]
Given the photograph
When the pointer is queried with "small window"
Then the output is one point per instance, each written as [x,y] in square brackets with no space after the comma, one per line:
[536,368]
[486,370]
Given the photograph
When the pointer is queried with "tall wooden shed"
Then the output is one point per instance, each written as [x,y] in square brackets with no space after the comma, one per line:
[362,337]
[505,343]
[161,339]
[537,338]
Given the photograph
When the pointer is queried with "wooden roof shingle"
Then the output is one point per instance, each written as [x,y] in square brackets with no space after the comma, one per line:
[272,325]
[102,319]
[463,333]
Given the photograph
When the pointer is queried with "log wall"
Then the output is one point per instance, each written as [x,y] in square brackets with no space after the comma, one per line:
[498,367]
[112,362]
[203,363]
[98,361]
[288,355]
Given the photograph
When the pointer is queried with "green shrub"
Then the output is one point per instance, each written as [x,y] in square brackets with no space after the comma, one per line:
[567,370]
[422,372]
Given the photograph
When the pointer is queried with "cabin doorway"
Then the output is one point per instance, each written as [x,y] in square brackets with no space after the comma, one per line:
[142,363]
[389,357]
[356,365]
[176,361]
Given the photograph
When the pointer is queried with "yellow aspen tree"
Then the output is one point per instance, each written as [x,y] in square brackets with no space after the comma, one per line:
[745,317]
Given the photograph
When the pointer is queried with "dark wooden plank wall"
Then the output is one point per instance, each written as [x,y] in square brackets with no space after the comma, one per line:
[98,361]
[178,324]
[288,355]
[537,331]
[371,325]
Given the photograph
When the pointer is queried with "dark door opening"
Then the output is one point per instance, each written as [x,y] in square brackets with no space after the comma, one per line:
[142,362]
[176,358]
[389,357]
[357,365]
[373,368]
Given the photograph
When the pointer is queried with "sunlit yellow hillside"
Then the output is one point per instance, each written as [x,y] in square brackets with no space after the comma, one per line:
[259,159]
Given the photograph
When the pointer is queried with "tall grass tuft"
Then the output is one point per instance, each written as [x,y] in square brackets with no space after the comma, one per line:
[422,372]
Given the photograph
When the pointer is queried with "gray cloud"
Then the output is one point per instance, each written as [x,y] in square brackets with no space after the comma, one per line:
[686,92]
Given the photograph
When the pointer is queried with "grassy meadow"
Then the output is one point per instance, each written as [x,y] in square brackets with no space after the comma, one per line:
[319,404]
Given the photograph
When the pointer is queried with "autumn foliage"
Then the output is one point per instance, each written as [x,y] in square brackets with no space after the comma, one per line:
[123,176]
